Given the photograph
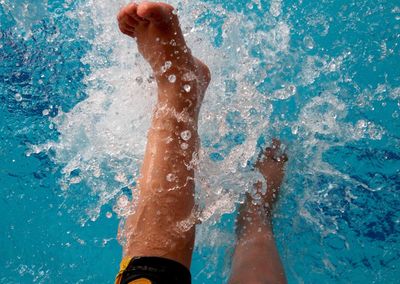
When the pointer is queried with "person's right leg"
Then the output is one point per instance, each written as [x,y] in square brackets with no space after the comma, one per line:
[256,258]
[161,225]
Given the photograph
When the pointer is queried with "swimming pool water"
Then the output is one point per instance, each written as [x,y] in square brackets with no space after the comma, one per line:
[321,75]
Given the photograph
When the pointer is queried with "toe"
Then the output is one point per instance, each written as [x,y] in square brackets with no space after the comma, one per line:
[126,25]
[129,15]
[128,19]
[123,26]
[155,12]
[131,11]
[128,30]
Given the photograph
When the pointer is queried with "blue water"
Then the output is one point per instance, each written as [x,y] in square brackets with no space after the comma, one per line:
[324,73]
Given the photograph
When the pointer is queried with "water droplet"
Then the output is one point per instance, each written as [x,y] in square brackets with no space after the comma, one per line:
[166,66]
[361,124]
[75,180]
[139,80]
[332,67]
[275,8]
[172,78]
[309,42]
[150,79]
[284,93]
[295,130]
[189,76]
[170,177]
[187,88]
[186,135]
[122,201]
[184,146]
[18,97]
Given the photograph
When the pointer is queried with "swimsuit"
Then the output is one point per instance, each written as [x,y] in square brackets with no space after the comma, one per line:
[152,270]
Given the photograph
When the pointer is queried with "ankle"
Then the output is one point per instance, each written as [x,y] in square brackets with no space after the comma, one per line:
[181,110]
[253,218]
[173,67]
[252,225]
[169,116]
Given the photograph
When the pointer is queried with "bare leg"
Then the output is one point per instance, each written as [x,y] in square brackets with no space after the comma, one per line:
[256,258]
[161,225]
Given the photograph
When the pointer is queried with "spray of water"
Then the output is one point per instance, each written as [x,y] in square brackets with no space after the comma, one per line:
[256,70]
[103,137]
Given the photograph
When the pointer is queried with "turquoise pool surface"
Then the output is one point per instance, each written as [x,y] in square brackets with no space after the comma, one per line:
[323,76]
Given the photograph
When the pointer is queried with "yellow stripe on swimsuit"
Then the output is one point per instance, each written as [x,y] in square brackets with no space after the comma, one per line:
[124,264]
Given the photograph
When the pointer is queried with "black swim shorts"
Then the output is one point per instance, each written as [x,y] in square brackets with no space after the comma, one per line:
[152,270]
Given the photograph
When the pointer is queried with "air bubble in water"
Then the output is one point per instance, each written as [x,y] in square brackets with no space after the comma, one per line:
[172,78]
[187,88]
[45,112]
[186,135]
[18,97]
[108,214]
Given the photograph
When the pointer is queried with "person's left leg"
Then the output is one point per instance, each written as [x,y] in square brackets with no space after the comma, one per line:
[162,224]
[256,259]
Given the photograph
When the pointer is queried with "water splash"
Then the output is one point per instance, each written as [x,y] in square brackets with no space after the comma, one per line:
[272,76]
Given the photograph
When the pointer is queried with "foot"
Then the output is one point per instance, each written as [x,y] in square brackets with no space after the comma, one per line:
[254,215]
[155,26]
[271,165]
